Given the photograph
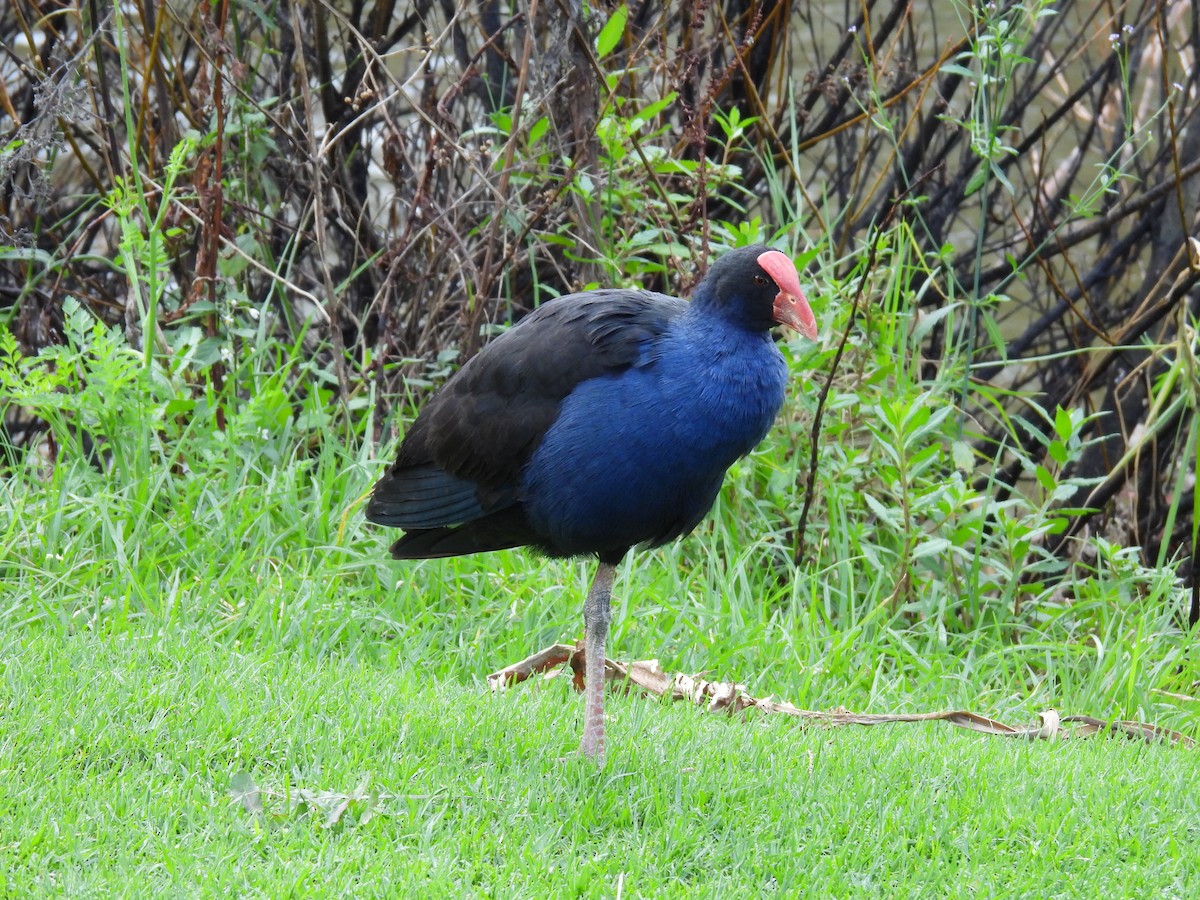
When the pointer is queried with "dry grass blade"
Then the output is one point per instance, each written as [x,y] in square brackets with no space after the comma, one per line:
[1087,726]
[726,696]
[550,658]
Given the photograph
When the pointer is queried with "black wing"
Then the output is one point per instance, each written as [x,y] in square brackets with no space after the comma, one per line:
[462,459]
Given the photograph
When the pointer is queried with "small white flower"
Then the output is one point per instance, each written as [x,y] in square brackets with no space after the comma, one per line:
[1113,38]
[1128,29]
[853,29]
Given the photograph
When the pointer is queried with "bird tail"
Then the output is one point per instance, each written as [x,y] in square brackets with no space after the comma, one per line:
[443,515]
[423,497]
[498,531]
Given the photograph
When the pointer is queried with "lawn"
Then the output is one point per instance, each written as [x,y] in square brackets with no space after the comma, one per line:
[130,763]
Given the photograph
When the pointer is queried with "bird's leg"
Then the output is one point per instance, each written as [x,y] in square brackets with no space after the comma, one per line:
[596,616]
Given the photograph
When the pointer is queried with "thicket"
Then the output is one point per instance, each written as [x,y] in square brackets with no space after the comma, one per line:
[255,228]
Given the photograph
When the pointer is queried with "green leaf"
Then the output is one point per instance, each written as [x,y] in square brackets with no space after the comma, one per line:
[1064,492]
[178,406]
[885,514]
[1057,525]
[1045,479]
[26,254]
[1063,424]
[995,335]
[998,174]
[610,35]
[651,111]
[538,129]
[956,69]
[208,351]
[931,547]
[926,321]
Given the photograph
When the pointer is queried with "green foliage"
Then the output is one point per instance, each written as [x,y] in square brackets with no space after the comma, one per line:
[87,389]
[151,514]
[640,189]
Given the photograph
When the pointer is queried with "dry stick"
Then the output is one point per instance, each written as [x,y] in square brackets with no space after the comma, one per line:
[437,129]
[924,80]
[565,182]
[229,244]
[699,125]
[167,135]
[183,103]
[331,298]
[1146,316]
[802,522]
[1194,607]
[1098,364]
[1164,85]
[1105,223]
[893,153]
[1052,279]
[106,93]
[213,222]
[410,239]
[1115,479]
[828,128]
[484,288]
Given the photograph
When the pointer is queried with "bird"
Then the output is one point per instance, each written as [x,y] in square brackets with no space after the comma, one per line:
[602,421]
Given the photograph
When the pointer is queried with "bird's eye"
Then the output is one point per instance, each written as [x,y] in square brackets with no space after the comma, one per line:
[759,279]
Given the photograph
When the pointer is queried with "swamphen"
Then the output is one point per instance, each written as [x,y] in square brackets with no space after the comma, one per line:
[602,420]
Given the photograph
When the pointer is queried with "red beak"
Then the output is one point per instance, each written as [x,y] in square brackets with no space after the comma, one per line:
[791,306]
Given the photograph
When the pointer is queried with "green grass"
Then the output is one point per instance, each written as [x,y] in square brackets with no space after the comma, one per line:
[170,643]
[119,754]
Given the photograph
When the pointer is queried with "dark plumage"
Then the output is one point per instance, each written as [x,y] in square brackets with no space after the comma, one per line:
[601,421]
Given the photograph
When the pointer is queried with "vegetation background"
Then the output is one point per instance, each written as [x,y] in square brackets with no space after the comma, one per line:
[240,242]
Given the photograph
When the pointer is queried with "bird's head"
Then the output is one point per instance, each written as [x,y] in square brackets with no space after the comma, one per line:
[760,288]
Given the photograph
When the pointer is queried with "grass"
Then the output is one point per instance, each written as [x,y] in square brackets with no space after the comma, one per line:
[173,645]
[120,757]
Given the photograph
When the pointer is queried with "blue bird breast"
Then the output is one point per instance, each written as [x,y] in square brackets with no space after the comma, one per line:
[638,458]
